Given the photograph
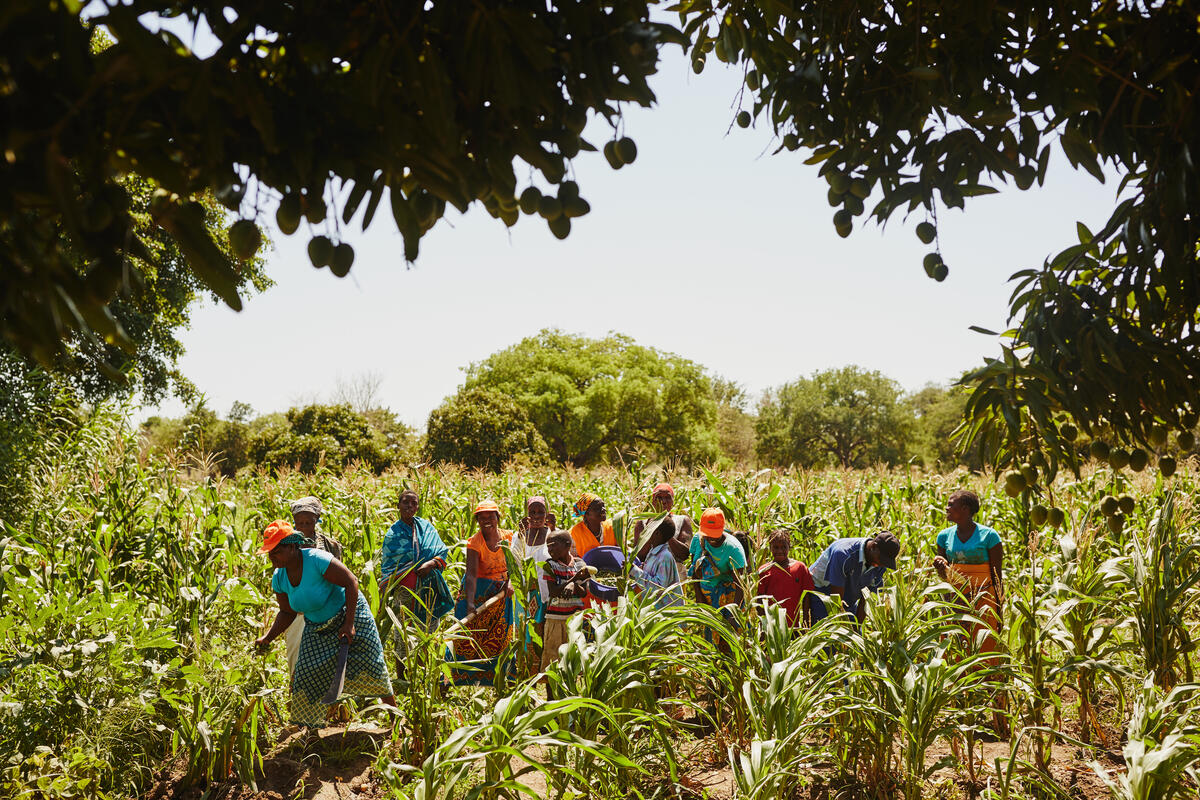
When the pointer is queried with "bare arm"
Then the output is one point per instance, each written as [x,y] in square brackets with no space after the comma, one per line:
[339,575]
[283,620]
[469,579]
[682,540]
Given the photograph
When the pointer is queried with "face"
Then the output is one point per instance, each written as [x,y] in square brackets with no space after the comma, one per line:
[537,515]
[305,522]
[409,503]
[957,512]
[872,554]
[662,501]
[779,549]
[489,521]
[281,555]
[596,512]
[557,549]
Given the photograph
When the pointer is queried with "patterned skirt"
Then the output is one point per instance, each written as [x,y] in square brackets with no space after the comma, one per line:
[366,672]
[474,654]
[723,594]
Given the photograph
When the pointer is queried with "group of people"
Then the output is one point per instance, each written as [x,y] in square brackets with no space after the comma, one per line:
[321,607]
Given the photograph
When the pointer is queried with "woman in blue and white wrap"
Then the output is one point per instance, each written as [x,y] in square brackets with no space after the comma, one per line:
[411,561]
[314,583]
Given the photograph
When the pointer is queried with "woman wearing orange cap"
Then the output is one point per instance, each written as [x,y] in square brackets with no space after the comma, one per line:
[312,582]
[487,623]
[717,562]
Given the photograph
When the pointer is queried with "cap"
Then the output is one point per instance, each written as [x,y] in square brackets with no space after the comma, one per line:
[712,523]
[486,505]
[275,533]
[888,547]
[537,498]
[659,488]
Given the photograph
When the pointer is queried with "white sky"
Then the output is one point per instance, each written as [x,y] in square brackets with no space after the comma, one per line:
[707,247]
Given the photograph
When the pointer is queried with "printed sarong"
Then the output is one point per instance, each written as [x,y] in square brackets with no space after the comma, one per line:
[475,650]
[366,673]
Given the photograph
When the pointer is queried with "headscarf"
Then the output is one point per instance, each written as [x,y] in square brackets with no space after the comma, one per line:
[310,504]
[295,538]
[584,502]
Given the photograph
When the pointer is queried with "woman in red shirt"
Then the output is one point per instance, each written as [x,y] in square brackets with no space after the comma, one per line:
[786,580]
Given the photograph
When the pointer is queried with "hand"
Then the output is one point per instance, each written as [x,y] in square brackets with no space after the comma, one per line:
[262,645]
[524,523]
[348,630]
[550,521]
[940,563]
[425,569]
[470,609]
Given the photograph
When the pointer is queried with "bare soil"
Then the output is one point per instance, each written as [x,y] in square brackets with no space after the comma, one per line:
[336,765]
[339,765]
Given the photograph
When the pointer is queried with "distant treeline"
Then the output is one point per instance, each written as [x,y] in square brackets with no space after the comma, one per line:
[558,398]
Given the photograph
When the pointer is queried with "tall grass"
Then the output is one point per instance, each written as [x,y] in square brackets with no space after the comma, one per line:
[132,594]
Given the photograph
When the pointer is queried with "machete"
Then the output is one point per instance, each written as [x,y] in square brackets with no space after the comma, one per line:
[339,673]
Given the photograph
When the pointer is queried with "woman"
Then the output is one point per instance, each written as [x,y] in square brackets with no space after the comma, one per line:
[487,628]
[530,545]
[314,583]
[971,557]
[306,519]
[411,561]
[593,529]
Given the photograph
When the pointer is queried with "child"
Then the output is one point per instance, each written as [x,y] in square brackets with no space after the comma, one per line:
[787,580]
[659,576]
[566,578]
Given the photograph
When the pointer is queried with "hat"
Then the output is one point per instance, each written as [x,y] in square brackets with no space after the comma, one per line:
[659,488]
[537,498]
[275,533]
[486,505]
[888,546]
[712,523]
[310,504]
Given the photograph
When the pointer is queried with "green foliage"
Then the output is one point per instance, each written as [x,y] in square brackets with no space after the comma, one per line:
[318,435]
[482,428]
[848,417]
[132,594]
[939,413]
[306,438]
[466,94]
[595,401]
[924,106]
[735,426]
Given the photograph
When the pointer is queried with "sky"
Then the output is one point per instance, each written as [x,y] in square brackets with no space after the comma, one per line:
[707,247]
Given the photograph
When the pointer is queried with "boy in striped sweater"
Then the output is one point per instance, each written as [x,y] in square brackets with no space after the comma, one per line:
[566,578]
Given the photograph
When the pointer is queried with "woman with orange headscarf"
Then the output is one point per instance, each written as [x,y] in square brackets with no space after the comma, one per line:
[593,529]
[485,602]
[312,582]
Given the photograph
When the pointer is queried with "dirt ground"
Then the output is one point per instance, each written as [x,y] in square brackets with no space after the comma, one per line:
[339,765]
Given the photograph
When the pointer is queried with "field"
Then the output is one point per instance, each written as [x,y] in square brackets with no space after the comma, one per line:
[132,595]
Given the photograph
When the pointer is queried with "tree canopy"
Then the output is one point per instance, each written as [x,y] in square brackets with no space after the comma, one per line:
[484,429]
[906,107]
[598,400]
[327,108]
[847,417]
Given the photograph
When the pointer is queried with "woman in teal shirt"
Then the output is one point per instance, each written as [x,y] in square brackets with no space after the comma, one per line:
[314,583]
[971,557]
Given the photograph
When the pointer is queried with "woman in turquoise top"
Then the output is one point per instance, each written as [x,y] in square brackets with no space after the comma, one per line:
[314,583]
[971,557]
